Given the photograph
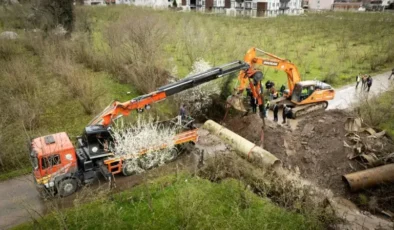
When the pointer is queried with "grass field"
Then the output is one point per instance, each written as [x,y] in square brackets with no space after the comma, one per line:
[179,202]
[51,83]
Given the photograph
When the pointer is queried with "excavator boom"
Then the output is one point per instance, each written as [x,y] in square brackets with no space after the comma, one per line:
[272,61]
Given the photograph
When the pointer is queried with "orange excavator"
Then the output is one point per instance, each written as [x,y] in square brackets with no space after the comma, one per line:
[302,96]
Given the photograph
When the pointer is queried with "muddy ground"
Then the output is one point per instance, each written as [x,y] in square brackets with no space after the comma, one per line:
[315,148]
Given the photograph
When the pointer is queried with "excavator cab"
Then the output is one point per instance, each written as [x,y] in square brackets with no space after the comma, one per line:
[306,92]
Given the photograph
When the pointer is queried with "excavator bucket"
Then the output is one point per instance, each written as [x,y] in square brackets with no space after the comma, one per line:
[236,102]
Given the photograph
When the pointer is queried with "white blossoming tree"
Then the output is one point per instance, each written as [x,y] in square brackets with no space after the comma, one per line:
[146,145]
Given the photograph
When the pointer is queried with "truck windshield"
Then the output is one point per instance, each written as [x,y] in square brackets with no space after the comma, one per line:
[33,160]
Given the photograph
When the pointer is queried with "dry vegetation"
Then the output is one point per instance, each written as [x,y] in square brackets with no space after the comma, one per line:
[52,82]
[378,111]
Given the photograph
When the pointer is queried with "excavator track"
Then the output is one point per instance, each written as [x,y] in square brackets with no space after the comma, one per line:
[303,110]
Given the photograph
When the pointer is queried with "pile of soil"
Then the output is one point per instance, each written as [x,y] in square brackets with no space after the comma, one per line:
[316,150]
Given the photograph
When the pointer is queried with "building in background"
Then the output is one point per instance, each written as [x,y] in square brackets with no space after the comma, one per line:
[153,3]
[319,4]
[94,2]
[107,2]
[361,5]
[252,8]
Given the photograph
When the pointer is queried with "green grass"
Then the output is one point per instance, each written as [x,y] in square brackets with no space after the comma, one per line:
[15,173]
[178,202]
[319,44]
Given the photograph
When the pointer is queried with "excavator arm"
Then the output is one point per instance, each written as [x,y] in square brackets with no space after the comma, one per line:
[117,109]
[272,61]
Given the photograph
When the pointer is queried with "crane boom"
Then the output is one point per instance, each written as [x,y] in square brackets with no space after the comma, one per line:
[116,109]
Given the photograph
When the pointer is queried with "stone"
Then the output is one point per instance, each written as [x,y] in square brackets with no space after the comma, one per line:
[8,35]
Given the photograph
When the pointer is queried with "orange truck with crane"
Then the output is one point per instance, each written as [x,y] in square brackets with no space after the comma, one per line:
[60,168]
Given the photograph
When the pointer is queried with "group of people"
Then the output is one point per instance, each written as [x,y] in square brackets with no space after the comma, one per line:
[270,86]
[286,111]
[366,81]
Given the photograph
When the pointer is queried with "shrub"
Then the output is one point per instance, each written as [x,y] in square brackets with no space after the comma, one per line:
[49,14]
[378,111]
[134,51]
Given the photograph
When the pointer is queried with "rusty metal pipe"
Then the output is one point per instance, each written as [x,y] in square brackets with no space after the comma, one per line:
[370,177]
[242,146]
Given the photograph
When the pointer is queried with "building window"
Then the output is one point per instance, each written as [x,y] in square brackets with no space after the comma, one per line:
[254,5]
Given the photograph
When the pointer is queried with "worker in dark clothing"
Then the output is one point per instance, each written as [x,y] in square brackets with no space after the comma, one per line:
[369,82]
[364,82]
[282,90]
[392,73]
[182,111]
[276,110]
[284,114]
[252,101]
[253,104]
[268,85]
[182,114]
[287,113]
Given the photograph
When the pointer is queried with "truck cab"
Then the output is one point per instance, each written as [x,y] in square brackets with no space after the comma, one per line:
[53,158]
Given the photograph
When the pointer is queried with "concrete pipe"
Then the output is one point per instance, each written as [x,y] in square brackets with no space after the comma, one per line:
[370,177]
[242,146]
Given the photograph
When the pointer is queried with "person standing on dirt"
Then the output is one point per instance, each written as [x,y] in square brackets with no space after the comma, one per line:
[253,104]
[369,82]
[276,110]
[358,79]
[287,113]
[182,114]
[284,114]
[252,101]
[392,73]
[182,111]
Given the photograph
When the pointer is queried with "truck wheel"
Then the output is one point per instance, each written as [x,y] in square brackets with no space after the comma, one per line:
[127,170]
[130,167]
[171,155]
[67,187]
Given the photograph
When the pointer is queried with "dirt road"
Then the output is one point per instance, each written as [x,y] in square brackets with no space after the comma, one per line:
[19,201]
[348,95]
